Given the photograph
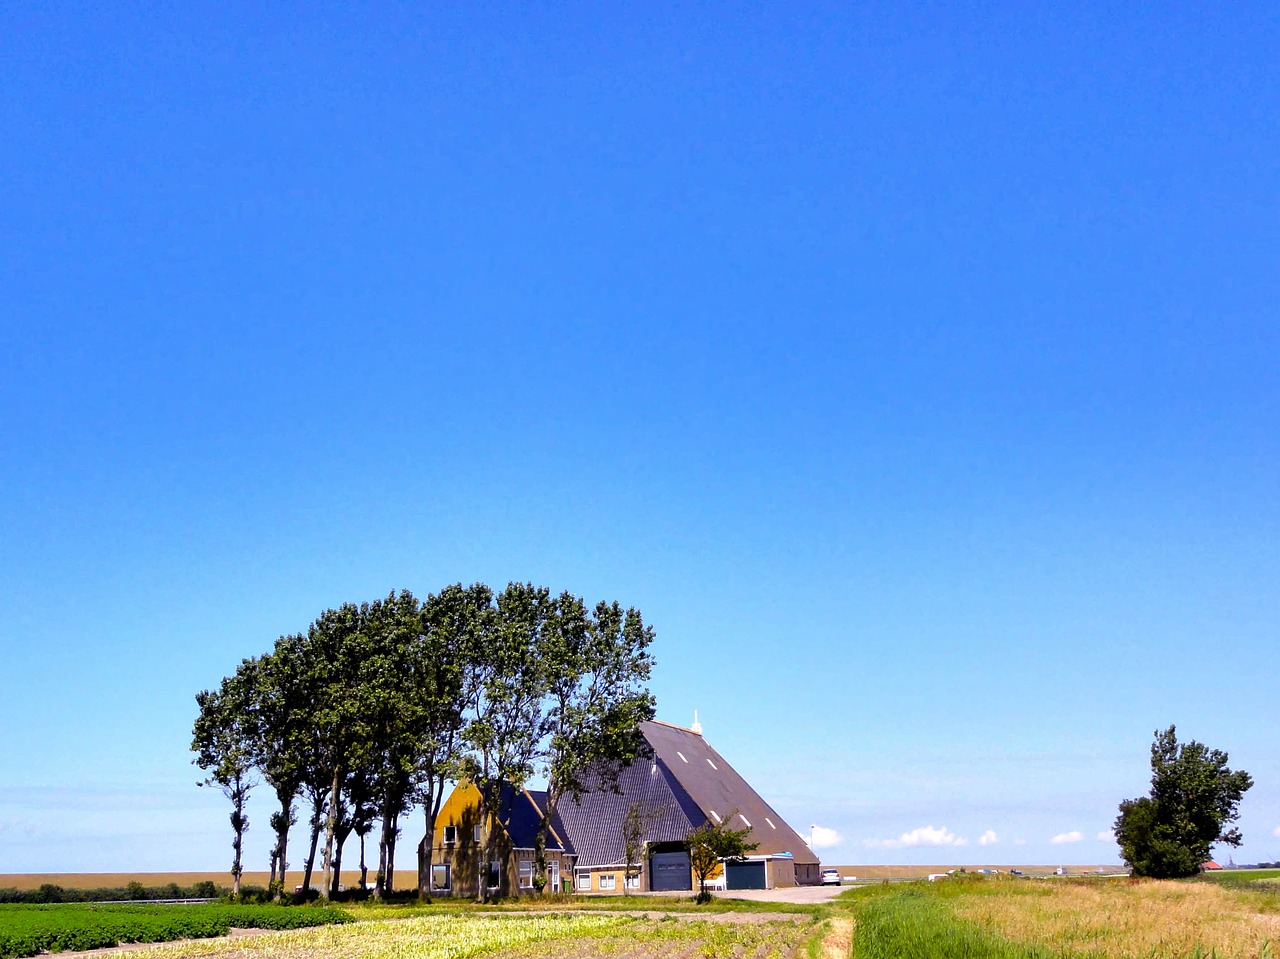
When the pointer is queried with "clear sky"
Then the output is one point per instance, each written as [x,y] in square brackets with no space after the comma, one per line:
[914,369]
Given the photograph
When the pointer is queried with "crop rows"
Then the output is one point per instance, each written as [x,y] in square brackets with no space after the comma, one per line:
[30,930]
[542,936]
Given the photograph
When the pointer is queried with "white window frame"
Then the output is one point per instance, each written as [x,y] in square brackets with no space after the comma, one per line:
[448,877]
[495,866]
[526,874]
[611,879]
[633,882]
[583,880]
[553,875]
[450,835]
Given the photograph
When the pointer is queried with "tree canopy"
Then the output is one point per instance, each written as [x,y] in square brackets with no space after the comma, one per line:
[1194,798]
[377,705]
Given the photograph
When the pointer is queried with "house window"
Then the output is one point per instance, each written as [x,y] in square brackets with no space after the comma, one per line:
[440,877]
[450,835]
[633,882]
[495,873]
[475,832]
[584,880]
[608,882]
[526,874]
[553,876]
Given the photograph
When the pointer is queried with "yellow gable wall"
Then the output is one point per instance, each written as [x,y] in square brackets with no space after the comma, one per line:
[461,809]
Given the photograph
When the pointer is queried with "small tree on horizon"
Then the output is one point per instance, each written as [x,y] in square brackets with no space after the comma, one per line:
[1170,833]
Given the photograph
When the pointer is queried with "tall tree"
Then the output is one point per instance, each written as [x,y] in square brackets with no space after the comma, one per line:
[596,669]
[507,721]
[445,666]
[393,675]
[337,649]
[283,742]
[1194,797]
[222,739]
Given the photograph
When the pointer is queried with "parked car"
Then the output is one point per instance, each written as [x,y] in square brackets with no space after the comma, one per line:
[831,877]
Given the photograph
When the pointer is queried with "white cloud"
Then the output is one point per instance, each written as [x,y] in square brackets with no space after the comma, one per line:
[924,836]
[821,837]
[1074,836]
[1276,832]
[988,838]
[1107,835]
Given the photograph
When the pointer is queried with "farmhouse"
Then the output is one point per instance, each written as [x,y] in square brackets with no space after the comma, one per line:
[683,783]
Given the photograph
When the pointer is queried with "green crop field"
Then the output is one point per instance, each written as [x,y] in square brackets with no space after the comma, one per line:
[30,930]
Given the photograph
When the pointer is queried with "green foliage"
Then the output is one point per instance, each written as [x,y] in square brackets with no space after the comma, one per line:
[30,930]
[1194,797]
[713,842]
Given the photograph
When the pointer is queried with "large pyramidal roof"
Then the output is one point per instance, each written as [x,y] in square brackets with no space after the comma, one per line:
[691,783]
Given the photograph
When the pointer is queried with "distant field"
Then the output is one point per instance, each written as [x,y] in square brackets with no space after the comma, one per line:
[920,872]
[109,880]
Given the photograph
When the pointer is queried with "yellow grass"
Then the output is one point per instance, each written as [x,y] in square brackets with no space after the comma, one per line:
[1145,920]
[547,936]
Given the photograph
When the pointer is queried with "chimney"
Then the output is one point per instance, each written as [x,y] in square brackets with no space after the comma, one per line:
[697,726]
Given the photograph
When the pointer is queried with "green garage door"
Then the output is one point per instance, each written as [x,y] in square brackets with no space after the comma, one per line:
[744,875]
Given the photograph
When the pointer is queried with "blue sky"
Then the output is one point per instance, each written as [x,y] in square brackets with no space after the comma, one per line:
[912,368]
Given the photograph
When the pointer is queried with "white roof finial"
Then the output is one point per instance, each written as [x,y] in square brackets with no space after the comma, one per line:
[697,726]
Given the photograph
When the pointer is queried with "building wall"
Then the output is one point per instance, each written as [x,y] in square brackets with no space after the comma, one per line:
[458,820]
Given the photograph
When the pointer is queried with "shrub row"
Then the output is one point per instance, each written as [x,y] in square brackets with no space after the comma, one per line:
[134,890]
[29,930]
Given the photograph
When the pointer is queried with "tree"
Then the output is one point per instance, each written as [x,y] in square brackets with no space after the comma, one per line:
[712,843]
[635,826]
[1194,796]
[282,741]
[222,739]
[444,662]
[596,669]
[507,720]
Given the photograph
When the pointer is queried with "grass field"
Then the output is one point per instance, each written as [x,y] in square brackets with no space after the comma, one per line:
[1089,919]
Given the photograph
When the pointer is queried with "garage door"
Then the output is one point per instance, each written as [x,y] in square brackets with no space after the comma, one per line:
[670,871]
[744,875]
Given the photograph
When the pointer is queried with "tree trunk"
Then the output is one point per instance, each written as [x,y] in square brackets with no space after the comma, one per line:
[389,880]
[238,824]
[311,853]
[425,850]
[383,884]
[282,841]
[330,828]
[540,840]
[364,870]
[340,839]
